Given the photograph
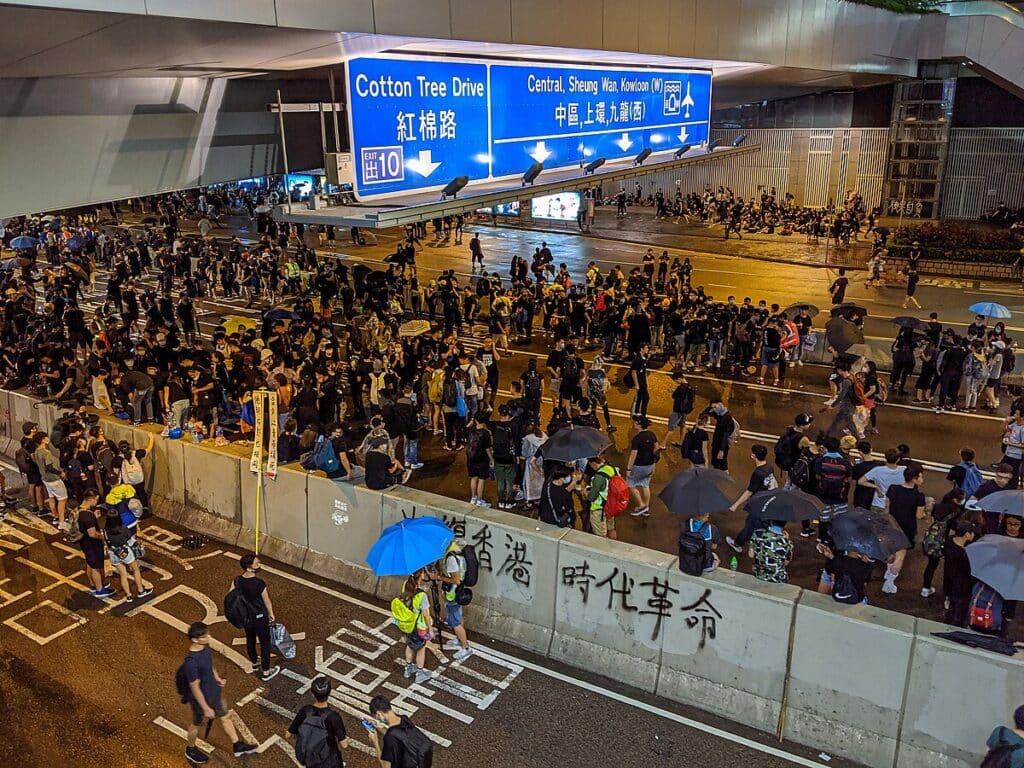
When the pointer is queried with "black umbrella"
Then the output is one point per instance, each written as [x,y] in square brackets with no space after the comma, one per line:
[905,321]
[280,314]
[874,536]
[572,443]
[700,491]
[1010,502]
[841,334]
[784,504]
[848,308]
[812,310]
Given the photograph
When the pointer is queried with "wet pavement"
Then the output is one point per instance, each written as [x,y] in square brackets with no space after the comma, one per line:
[90,682]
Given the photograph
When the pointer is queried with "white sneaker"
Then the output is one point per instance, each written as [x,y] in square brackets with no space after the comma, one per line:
[473,500]
[410,670]
[465,653]
[732,543]
[452,645]
[889,587]
[483,503]
[422,676]
[927,591]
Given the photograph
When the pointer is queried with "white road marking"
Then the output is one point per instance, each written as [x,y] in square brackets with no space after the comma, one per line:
[182,734]
[499,657]
[14,624]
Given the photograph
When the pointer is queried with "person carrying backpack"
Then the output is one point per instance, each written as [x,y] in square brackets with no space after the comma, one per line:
[697,543]
[411,613]
[831,473]
[254,590]
[1006,745]
[453,572]
[319,731]
[605,505]
[503,447]
[400,744]
[479,458]
[944,514]
[787,447]
[966,476]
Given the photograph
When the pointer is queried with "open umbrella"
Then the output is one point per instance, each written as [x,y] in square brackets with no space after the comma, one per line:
[10,264]
[990,309]
[841,334]
[999,562]
[848,308]
[408,545]
[786,504]
[793,309]
[76,243]
[698,491]
[905,321]
[1009,502]
[414,328]
[572,443]
[24,242]
[874,536]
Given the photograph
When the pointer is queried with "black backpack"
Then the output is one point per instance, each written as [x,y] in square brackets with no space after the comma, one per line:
[504,451]
[787,449]
[532,386]
[692,551]
[469,578]
[845,591]
[24,461]
[999,757]
[474,445]
[449,392]
[237,608]
[570,367]
[312,742]
[418,749]
[181,684]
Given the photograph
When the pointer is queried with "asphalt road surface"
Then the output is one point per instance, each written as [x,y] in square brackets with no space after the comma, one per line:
[90,682]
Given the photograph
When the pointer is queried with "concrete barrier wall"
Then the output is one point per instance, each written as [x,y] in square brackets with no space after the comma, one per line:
[10,436]
[848,676]
[863,683]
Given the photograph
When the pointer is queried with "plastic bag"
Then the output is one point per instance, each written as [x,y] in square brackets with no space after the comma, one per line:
[282,641]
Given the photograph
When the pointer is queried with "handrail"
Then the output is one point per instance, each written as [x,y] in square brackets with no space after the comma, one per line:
[1004,11]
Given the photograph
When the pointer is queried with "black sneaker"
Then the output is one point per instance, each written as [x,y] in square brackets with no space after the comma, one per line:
[241,748]
[196,756]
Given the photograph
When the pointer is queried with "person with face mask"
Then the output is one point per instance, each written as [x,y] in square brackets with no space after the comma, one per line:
[254,589]
[721,439]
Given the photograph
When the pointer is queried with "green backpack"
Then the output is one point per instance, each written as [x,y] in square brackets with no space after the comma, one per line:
[404,616]
[935,538]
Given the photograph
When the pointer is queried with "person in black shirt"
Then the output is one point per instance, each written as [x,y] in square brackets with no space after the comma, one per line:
[761,479]
[725,425]
[638,368]
[323,717]
[838,287]
[645,450]
[770,352]
[956,572]
[394,747]
[556,498]
[254,589]
[383,471]
[905,503]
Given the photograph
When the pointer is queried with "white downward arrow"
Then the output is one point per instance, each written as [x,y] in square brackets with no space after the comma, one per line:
[423,165]
[624,143]
[683,135]
[540,152]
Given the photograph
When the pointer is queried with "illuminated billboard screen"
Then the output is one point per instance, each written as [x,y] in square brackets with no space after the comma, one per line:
[562,207]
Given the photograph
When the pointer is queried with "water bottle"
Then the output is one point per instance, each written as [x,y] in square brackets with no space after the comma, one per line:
[734,563]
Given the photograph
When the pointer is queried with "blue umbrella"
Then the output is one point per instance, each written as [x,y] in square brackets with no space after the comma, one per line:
[76,243]
[408,545]
[999,562]
[990,309]
[24,241]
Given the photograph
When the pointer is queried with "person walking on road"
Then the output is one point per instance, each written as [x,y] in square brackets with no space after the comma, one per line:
[722,438]
[645,450]
[838,288]
[202,691]
[123,549]
[762,478]
[913,277]
[476,252]
[399,743]
[416,623]
[254,589]
[319,731]
[638,370]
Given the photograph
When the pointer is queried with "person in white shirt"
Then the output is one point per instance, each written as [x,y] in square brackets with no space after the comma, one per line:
[880,478]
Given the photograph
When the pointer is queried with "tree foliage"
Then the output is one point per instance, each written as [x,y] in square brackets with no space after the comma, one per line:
[901,6]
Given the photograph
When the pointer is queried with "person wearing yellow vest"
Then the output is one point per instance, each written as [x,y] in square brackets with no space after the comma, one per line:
[597,495]
[451,573]
[411,612]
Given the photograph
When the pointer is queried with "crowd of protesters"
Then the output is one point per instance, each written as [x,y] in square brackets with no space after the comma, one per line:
[349,368]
